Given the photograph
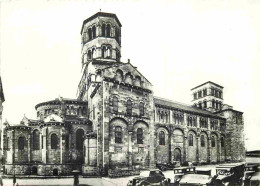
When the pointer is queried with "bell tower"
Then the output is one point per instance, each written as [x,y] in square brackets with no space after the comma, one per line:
[208,96]
[101,38]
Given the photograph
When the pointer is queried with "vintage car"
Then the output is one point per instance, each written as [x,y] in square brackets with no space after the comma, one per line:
[230,174]
[251,171]
[151,177]
[168,166]
[180,171]
[255,179]
[197,179]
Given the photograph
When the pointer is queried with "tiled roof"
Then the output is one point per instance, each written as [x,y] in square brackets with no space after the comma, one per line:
[206,83]
[101,14]
[182,106]
[59,100]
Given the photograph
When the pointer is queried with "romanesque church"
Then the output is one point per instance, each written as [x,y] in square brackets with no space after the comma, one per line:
[116,122]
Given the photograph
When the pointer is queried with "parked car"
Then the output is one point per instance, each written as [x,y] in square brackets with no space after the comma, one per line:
[197,179]
[255,179]
[168,166]
[151,177]
[200,176]
[251,175]
[181,171]
[230,174]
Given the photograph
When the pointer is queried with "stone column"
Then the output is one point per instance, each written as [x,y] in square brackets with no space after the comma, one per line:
[44,149]
[218,150]
[185,148]
[130,149]
[29,148]
[209,150]
[198,149]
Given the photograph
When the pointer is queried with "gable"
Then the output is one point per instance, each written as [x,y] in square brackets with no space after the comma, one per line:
[129,73]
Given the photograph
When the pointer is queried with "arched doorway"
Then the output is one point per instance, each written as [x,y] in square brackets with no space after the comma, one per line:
[55,172]
[34,170]
[79,139]
[177,155]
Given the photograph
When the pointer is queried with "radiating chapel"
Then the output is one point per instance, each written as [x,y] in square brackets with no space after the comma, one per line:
[116,122]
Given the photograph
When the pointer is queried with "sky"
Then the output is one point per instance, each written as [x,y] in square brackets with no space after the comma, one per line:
[176,45]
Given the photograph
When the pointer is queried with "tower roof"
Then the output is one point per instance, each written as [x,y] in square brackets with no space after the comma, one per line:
[102,14]
[210,82]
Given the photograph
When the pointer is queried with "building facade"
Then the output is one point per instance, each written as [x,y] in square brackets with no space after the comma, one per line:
[2,99]
[116,122]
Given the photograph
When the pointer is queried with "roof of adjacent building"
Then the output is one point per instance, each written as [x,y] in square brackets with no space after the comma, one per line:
[102,14]
[182,106]
[59,100]
[206,83]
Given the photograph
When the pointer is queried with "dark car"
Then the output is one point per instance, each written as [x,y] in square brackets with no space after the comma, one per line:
[167,166]
[252,175]
[230,174]
[151,177]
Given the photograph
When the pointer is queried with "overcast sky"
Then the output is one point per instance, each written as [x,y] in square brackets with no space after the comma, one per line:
[177,45]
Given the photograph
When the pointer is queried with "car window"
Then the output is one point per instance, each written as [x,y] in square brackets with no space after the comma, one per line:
[152,173]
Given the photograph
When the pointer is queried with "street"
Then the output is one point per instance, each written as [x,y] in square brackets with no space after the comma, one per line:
[104,181]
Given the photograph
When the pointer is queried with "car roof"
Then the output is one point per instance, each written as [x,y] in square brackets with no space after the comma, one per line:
[195,179]
[178,168]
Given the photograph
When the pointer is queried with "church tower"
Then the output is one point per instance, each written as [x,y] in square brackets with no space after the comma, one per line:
[101,38]
[208,96]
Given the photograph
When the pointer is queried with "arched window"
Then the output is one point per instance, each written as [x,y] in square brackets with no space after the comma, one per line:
[21,143]
[115,104]
[119,75]
[202,141]
[137,81]
[103,51]
[161,138]
[93,54]
[103,30]
[190,140]
[129,107]
[89,34]
[89,54]
[79,139]
[108,30]
[205,104]
[54,141]
[129,78]
[213,143]
[94,32]
[204,92]
[139,136]
[108,52]
[117,35]
[118,134]
[141,109]
[36,140]
[213,103]
[222,142]
[117,56]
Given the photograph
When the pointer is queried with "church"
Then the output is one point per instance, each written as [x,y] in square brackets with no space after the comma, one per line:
[116,122]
